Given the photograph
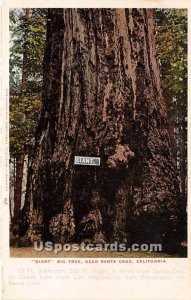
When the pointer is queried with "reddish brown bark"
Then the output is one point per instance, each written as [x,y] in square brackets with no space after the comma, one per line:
[102,97]
[18,183]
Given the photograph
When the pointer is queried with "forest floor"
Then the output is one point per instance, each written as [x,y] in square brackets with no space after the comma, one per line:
[31,252]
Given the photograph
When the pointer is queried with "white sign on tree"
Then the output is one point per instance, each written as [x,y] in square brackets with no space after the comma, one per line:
[88,161]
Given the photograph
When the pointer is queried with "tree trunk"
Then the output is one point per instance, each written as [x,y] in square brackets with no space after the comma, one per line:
[24,65]
[18,183]
[183,154]
[102,97]
[183,173]
[20,156]
[171,112]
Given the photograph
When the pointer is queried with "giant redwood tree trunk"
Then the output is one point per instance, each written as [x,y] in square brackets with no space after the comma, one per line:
[102,97]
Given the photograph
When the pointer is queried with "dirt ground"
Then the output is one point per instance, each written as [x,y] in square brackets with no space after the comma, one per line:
[31,252]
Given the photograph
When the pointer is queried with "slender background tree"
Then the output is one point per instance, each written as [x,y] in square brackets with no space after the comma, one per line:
[172,48]
[27,33]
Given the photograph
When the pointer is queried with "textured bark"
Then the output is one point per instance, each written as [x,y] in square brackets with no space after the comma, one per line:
[102,97]
[18,183]
[183,155]
[171,106]
[183,177]
[20,156]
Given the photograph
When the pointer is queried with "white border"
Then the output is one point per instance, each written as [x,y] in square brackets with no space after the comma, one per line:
[146,289]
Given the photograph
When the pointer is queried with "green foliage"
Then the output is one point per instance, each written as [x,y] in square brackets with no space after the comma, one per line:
[172,48]
[29,36]
[24,113]
[27,39]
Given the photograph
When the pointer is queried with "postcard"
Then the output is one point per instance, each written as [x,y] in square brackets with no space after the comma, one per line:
[95,150]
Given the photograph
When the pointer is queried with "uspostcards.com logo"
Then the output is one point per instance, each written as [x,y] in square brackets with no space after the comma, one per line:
[114,247]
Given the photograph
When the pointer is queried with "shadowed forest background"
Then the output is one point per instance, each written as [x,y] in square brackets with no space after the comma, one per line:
[28,42]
